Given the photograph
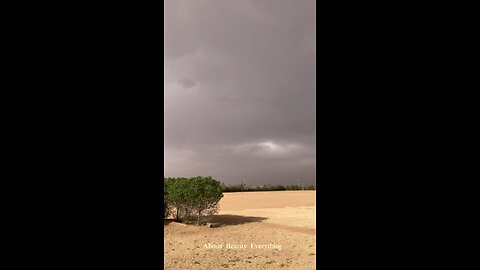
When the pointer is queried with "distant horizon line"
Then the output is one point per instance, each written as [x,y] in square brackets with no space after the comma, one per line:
[297,182]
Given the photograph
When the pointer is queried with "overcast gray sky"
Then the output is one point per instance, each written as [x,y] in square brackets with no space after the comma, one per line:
[239,90]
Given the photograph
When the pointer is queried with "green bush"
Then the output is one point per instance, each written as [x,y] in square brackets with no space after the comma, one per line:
[192,199]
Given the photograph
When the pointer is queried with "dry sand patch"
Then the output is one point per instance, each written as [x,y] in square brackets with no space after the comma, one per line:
[282,221]
[267,199]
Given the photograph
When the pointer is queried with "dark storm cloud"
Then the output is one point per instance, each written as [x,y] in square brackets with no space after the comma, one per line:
[240,89]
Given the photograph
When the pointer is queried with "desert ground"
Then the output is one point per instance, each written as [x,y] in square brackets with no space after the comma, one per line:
[259,230]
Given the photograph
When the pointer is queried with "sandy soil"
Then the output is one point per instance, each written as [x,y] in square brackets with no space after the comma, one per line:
[260,230]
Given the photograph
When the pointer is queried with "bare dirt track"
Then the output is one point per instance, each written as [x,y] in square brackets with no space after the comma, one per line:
[260,230]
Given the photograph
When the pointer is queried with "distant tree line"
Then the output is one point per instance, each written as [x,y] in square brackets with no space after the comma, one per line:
[191,200]
[266,187]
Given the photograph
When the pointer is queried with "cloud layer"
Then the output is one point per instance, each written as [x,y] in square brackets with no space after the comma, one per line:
[239,90]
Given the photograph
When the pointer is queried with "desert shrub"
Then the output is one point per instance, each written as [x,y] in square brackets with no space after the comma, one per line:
[168,203]
[175,196]
[203,196]
[193,199]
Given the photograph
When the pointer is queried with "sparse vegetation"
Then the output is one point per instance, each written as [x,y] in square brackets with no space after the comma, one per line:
[195,199]
[267,187]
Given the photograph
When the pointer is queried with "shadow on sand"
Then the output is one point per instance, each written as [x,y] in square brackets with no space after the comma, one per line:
[226,220]
[168,221]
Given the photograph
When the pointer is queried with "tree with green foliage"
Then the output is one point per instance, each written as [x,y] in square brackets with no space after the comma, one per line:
[175,194]
[194,199]
[204,194]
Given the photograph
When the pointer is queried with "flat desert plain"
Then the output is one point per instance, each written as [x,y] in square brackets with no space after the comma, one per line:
[259,230]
